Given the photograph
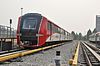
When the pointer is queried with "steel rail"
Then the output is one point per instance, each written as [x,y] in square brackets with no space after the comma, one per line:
[93,52]
[86,56]
[92,57]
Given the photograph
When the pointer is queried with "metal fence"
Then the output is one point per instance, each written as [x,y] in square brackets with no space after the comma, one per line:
[6,32]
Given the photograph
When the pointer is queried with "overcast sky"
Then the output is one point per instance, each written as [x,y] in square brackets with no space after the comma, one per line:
[72,15]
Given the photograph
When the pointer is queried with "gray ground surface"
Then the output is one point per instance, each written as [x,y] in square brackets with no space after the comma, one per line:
[47,57]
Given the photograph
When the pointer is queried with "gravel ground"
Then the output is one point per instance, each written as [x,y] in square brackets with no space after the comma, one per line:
[47,57]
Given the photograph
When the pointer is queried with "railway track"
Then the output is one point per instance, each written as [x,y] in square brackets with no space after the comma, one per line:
[93,47]
[92,57]
[10,51]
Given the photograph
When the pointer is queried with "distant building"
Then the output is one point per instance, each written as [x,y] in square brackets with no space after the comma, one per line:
[98,23]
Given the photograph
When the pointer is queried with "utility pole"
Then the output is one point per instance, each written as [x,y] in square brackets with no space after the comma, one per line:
[21,11]
[10,26]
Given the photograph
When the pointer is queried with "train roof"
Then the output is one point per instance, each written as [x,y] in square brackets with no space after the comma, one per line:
[94,34]
[57,25]
[37,14]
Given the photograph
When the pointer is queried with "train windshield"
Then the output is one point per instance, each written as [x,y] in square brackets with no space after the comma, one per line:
[29,23]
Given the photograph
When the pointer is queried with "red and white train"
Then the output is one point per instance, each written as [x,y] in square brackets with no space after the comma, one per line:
[35,30]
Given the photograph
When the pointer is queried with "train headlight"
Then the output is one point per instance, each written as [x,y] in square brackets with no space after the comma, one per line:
[39,34]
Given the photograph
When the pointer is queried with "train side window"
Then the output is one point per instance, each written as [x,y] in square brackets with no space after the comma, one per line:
[58,30]
[48,25]
[53,26]
[63,32]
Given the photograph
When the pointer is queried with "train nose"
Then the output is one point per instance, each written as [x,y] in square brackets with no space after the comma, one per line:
[30,42]
[29,38]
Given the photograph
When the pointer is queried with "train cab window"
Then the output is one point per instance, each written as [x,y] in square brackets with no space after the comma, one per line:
[29,23]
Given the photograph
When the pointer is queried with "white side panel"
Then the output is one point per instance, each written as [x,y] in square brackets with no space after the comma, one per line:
[57,37]
[54,37]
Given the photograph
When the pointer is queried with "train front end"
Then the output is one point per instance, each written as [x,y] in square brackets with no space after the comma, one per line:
[28,29]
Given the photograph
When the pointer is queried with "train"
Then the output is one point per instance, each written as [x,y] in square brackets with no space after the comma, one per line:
[95,38]
[35,30]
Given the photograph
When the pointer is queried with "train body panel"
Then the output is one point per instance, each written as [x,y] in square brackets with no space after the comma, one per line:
[57,37]
[42,32]
[95,37]
[18,31]
[34,30]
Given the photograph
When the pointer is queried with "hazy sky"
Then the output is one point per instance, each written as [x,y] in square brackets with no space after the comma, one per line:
[72,15]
